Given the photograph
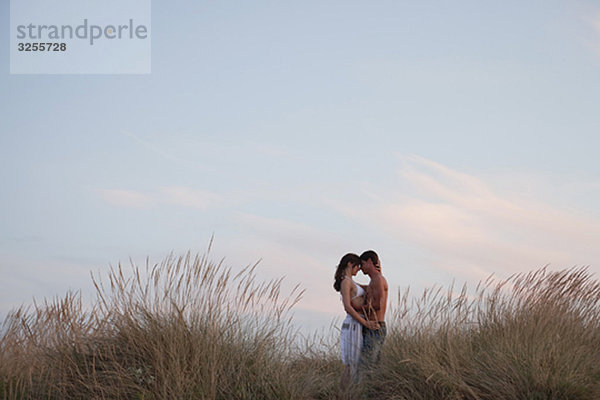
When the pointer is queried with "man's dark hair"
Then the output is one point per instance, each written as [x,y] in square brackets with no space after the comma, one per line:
[371,255]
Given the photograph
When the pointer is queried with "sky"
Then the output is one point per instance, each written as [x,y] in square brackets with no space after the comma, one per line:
[457,139]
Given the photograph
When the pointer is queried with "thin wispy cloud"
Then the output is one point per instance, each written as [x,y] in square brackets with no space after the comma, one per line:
[470,228]
[467,225]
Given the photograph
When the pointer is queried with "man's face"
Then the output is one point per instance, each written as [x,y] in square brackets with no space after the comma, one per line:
[366,266]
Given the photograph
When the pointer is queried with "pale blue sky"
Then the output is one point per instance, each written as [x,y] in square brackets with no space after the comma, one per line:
[458,139]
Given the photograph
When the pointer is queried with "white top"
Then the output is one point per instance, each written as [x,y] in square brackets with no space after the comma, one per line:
[359,290]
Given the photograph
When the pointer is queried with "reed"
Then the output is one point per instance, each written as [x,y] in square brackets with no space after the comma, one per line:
[186,328]
[533,336]
[189,328]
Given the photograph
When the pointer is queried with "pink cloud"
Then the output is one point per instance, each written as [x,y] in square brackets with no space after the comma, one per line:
[468,226]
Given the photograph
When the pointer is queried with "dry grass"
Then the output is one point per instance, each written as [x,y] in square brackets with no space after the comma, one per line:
[190,329]
[534,336]
[184,329]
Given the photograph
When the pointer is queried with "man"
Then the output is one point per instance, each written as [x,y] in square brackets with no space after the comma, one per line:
[374,309]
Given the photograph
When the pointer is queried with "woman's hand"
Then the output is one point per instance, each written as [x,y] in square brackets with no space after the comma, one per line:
[372,325]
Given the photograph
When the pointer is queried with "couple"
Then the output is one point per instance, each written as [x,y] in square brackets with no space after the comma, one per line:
[363,330]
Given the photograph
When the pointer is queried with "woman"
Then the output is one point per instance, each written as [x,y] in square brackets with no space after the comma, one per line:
[352,298]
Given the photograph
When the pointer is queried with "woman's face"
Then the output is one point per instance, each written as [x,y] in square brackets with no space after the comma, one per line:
[355,269]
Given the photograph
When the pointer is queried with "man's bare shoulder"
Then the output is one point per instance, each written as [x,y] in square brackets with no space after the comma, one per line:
[379,280]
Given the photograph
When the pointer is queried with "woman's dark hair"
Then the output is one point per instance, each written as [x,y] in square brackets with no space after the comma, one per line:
[371,255]
[351,258]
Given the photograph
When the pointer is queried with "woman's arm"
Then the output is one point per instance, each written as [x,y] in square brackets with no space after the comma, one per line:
[345,291]
[358,303]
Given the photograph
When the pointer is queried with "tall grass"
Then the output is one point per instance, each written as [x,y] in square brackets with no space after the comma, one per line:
[183,329]
[189,328]
[534,336]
